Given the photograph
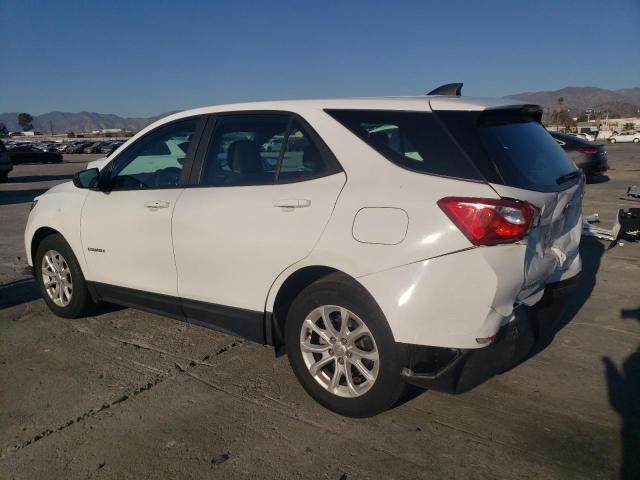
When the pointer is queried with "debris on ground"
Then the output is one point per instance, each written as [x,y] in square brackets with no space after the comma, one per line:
[629,223]
[633,194]
[218,459]
[589,230]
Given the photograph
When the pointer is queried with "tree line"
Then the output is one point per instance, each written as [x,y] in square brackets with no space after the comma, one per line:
[25,120]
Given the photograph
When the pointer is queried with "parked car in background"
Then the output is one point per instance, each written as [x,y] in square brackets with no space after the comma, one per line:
[630,136]
[590,157]
[273,145]
[94,148]
[110,147]
[31,154]
[51,147]
[407,234]
[77,147]
[585,136]
[5,163]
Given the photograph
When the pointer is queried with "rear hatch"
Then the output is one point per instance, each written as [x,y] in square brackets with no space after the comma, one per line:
[521,160]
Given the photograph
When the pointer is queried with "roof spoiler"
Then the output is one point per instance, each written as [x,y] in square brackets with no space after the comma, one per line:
[449,90]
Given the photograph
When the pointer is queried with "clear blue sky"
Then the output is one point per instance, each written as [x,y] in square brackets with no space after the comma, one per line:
[140,58]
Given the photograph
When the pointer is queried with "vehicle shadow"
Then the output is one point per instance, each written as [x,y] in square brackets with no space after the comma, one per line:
[591,179]
[26,290]
[39,178]
[11,197]
[624,395]
[18,292]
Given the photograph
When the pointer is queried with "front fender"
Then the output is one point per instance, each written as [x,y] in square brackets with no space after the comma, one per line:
[60,209]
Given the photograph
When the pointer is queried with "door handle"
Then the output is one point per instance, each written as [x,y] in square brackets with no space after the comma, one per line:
[292,203]
[156,204]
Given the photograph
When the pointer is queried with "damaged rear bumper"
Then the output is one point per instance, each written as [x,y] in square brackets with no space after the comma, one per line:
[459,370]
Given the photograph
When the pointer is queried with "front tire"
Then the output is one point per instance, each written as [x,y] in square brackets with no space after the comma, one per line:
[4,177]
[60,278]
[612,140]
[342,350]
[636,140]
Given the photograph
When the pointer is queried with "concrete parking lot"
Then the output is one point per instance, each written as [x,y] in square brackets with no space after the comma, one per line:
[128,394]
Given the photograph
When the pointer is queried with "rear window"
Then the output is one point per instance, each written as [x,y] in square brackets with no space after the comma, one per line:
[511,148]
[413,140]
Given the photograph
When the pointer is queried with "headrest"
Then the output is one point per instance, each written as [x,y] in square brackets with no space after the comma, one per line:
[243,157]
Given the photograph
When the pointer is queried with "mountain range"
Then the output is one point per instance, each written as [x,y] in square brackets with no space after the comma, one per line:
[618,103]
[624,102]
[63,122]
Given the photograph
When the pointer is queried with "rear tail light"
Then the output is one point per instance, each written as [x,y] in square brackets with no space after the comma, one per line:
[486,221]
[588,151]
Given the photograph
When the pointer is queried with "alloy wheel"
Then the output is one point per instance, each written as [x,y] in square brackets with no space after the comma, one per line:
[56,278]
[339,351]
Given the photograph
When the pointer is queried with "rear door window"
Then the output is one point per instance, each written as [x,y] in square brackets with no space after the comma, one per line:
[263,149]
[301,157]
[413,140]
[244,150]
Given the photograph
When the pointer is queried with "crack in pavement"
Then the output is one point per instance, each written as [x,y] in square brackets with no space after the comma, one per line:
[193,362]
[126,396]
[84,415]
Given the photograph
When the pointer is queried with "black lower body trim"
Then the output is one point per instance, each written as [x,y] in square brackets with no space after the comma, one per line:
[249,324]
[160,304]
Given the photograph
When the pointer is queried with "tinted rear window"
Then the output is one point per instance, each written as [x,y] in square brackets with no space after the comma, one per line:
[413,140]
[511,148]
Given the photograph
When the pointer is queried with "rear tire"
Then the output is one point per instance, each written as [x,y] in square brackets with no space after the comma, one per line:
[60,278]
[356,368]
[612,140]
[4,177]
[636,140]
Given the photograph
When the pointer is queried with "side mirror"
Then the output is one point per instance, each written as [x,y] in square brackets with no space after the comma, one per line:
[86,178]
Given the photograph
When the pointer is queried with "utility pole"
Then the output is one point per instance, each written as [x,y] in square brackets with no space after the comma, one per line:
[51,126]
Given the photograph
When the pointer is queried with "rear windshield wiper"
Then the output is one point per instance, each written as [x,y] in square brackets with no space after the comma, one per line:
[568,176]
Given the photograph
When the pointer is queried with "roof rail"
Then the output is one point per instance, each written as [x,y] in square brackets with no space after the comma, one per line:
[450,90]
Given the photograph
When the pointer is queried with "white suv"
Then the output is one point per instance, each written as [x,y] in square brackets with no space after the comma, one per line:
[386,241]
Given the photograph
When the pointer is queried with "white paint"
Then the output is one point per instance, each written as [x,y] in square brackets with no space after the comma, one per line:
[387,226]
[236,246]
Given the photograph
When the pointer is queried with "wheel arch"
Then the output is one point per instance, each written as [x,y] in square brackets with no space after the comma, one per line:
[39,235]
[294,283]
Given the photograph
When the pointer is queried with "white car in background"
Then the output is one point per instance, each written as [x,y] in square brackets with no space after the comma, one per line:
[586,136]
[405,236]
[630,136]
